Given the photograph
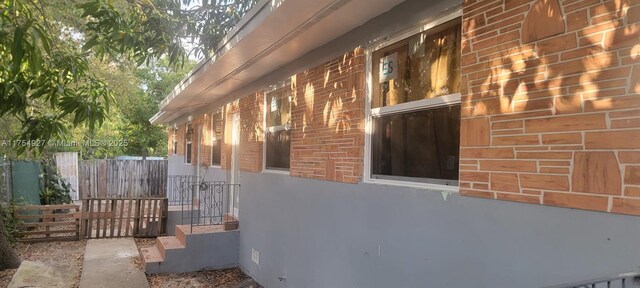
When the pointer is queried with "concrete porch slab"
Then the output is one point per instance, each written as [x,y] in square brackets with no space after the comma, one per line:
[112,263]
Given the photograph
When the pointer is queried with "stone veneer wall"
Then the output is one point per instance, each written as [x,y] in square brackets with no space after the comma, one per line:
[327,122]
[251,132]
[327,117]
[552,116]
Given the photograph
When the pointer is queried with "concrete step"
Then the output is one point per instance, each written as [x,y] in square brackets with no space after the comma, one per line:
[193,249]
[168,243]
[151,259]
[183,231]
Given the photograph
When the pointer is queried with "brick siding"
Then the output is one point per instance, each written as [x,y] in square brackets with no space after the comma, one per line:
[251,109]
[327,116]
[550,115]
[179,132]
[553,121]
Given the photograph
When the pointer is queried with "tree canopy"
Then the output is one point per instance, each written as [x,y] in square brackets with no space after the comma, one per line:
[65,65]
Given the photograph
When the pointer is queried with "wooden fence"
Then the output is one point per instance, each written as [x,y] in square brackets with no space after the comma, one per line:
[125,217]
[122,178]
[41,223]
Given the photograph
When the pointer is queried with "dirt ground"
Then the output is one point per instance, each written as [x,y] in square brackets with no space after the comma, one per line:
[66,255]
[69,255]
[229,278]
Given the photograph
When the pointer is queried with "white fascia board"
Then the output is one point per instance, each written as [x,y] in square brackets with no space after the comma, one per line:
[274,34]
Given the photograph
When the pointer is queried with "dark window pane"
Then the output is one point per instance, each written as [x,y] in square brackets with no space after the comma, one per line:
[217,138]
[215,153]
[188,153]
[422,144]
[278,144]
[188,138]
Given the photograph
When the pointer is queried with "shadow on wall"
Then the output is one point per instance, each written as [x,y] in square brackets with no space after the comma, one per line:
[516,60]
[535,76]
[330,96]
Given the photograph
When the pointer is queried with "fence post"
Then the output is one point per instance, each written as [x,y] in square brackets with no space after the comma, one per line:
[164,215]
[78,217]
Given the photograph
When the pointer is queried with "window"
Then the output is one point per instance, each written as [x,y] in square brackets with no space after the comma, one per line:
[175,145]
[188,139]
[415,108]
[278,134]
[174,142]
[217,137]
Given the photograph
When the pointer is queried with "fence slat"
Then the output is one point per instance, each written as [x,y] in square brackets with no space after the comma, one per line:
[147,217]
[89,221]
[122,178]
[120,217]
[98,219]
[136,217]
[153,213]
[104,222]
[115,219]
[78,223]
[114,206]
[128,217]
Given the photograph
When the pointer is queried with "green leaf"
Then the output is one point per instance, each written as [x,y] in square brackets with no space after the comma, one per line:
[17,50]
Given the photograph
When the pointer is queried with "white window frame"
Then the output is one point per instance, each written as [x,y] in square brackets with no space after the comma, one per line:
[441,101]
[186,144]
[213,135]
[274,128]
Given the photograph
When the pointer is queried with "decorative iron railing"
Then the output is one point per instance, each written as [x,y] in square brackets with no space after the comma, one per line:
[623,280]
[203,202]
[176,187]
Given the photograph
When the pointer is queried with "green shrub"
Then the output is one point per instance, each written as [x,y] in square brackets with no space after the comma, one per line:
[11,223]
[56,189]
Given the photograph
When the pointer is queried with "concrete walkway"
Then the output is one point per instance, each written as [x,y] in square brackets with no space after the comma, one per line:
[38,274]
[112,263]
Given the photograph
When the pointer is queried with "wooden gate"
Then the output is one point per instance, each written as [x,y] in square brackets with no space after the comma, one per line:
[42,223]
[124,217]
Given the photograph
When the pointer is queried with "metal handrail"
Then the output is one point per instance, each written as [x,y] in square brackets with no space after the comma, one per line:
[608,280]
[175,188]
[207,201]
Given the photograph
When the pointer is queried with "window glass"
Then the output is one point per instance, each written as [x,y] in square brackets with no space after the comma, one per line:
[278,135]
[217,131]
[279,107]
[424,66]
[421,144]
[188,139]
[278,144]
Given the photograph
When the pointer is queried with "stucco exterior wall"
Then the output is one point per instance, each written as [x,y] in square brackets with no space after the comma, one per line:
[319,234]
